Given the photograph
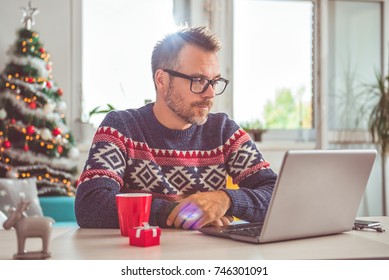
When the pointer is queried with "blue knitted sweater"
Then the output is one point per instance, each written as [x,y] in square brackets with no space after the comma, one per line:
[133,152]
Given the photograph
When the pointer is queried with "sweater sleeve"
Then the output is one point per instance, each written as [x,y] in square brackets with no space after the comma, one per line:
[255,180]
[251,204]
[95,205]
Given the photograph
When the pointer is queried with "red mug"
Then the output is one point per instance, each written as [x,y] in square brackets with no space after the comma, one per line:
[133,210]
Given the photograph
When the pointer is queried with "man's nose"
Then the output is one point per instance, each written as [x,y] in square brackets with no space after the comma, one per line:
[209,92]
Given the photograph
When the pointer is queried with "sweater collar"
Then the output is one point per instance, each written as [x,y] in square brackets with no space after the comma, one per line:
[175,133]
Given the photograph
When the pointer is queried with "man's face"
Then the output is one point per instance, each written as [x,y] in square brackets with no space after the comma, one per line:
[190,107]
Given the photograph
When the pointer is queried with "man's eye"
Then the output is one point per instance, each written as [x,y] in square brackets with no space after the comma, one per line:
[200,81]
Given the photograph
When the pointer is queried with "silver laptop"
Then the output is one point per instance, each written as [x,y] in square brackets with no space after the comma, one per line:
[318,192]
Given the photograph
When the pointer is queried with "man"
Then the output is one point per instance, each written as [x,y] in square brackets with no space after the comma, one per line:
[176,149]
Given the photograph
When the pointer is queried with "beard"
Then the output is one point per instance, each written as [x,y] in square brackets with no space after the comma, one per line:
[190,113]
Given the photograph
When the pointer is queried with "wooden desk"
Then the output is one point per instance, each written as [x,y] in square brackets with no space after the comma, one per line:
[75,244]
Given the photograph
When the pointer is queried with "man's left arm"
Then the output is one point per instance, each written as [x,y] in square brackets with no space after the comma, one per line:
[251,201]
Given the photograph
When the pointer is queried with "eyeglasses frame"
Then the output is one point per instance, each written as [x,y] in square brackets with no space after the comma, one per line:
[191,79]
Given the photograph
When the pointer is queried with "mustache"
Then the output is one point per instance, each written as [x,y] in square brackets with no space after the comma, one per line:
[208,103]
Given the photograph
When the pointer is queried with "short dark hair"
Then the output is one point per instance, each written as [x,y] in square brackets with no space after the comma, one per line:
[166,51]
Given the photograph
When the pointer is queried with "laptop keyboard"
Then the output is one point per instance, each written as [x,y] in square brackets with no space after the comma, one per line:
[246,231]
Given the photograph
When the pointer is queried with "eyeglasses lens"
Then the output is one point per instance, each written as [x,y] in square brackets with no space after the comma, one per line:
[200,85]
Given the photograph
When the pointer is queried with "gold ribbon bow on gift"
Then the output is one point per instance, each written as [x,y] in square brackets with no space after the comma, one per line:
[145,226]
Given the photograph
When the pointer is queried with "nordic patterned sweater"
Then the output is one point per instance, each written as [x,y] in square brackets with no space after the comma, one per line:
[133,152]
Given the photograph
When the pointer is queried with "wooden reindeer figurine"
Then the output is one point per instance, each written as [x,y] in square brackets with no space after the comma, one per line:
[26,227]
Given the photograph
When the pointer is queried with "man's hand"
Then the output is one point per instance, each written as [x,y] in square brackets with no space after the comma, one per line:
[200,209]
[223,221]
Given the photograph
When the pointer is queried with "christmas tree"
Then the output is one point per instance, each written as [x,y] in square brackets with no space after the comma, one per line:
[34,138]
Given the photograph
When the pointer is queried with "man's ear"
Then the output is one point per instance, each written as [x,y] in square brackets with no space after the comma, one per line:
[161,80]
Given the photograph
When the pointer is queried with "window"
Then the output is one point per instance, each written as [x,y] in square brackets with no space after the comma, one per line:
[273,53]
[355,54]
[118,38]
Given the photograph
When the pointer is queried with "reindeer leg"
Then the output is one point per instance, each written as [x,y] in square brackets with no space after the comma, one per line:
[45,244]
[21,243]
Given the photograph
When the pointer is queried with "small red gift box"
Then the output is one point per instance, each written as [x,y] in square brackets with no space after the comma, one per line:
[145,235]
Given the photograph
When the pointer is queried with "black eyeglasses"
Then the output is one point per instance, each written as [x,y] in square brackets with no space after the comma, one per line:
[199,84]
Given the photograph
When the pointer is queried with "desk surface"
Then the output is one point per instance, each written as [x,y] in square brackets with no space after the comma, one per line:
[74,243]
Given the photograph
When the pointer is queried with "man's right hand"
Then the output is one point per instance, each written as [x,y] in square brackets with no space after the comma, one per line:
[200,209]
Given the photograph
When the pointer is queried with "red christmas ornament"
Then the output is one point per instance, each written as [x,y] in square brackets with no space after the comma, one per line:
[30,130]
[42,50]
[56,131]
[32,105]
[59,92]
[13,121]
[60,149]
[7,144]
[48,84]
[30,80]
[26,148]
